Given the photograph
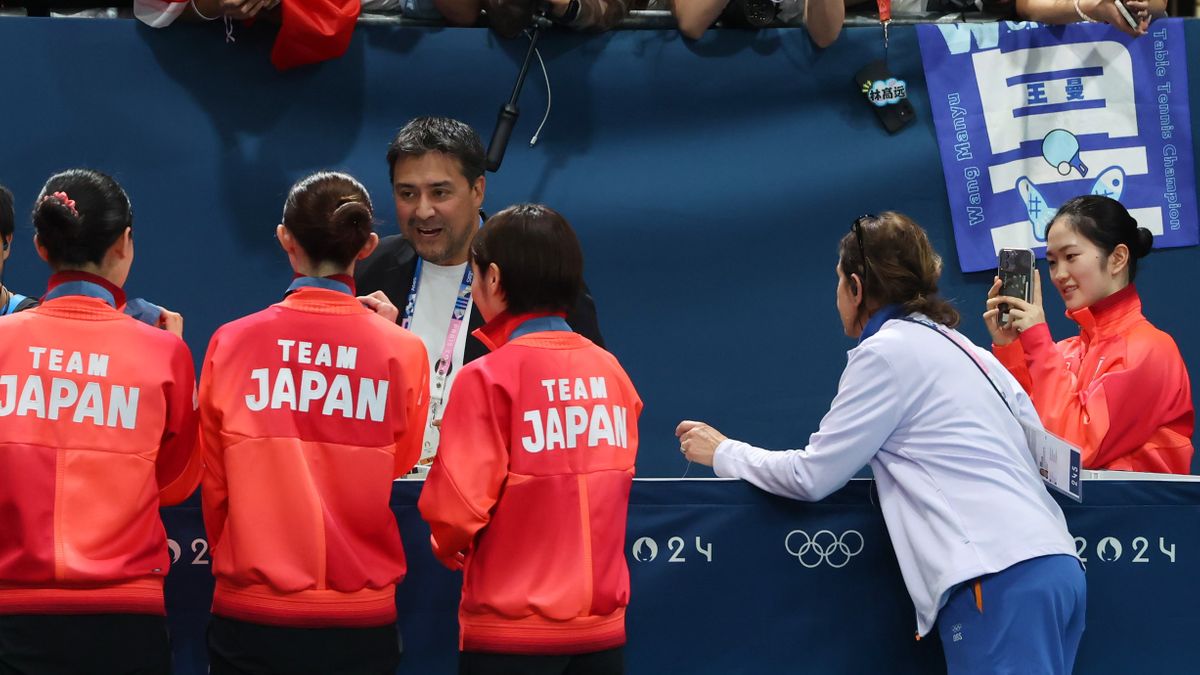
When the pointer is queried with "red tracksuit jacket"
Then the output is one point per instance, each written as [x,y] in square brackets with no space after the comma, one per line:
[1119,391]
[309,409]
[530,489]
[97,431]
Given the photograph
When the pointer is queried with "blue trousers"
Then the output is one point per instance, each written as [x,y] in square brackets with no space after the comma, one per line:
[1024,620]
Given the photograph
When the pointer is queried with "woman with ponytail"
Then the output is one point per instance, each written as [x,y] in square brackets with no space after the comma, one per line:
[1119,390]
[97,431]
[983,548]
[309,409]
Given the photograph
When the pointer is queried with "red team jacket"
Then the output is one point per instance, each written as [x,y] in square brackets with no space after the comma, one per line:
[97,431]
[309,409]
[1119,391]
[529,492]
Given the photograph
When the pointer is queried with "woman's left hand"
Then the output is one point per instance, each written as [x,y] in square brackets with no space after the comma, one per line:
[698,442]
[1021,315]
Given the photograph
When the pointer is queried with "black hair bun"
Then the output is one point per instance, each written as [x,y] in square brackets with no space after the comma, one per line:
[1144,241]
[353,215]
[56,222]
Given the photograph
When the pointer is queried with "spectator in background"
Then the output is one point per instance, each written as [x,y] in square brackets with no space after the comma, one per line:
[310,31]
[1103,11]
[510,17]
[1120,389]
[822,18]
[161,13]
[10,302]
[436,168]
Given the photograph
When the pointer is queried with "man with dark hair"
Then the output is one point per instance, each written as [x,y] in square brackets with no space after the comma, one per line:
[436,166]
[9,302]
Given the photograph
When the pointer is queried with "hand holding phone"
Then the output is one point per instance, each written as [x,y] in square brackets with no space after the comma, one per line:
[1125,14]
[1128,16]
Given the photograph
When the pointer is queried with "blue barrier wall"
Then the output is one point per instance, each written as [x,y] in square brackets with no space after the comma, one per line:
[709,181]
[721,584]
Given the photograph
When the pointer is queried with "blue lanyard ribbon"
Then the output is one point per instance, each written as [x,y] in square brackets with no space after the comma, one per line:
[457,314]
[84,288]
[538,325]
[320,282]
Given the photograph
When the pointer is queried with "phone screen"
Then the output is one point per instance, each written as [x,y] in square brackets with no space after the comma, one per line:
[1016,276]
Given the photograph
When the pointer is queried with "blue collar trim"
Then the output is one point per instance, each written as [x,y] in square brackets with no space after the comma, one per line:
[880,317]
[84,288]
[538,325]
[320,282]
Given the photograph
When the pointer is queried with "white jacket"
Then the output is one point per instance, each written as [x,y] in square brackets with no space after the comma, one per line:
[959,489]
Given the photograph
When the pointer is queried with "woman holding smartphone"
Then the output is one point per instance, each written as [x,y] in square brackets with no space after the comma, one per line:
[1119,390]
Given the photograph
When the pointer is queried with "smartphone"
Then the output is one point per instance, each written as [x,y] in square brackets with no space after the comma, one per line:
[1126,15]
[1016,277]
[894,117]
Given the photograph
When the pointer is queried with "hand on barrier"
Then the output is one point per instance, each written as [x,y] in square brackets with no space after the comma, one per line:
[380,304]
[698,442]
[1106,11]
[1021,315]
[172,322]
[245,9]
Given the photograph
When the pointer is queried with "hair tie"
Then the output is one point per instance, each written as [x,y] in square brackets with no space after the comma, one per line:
[64,200]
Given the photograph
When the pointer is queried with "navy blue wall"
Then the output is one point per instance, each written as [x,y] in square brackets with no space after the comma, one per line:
[708,181]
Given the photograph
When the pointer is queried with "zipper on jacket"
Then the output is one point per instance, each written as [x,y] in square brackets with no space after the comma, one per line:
[585,522]
[60,563]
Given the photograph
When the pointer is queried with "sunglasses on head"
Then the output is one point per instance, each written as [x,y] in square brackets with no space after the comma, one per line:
[857,228]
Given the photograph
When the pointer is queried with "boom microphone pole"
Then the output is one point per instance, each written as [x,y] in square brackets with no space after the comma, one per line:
[509,111]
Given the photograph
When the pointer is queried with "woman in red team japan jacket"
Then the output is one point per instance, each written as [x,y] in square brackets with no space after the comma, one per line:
[309,409]
[97,431]
[1119,390]
[530,488]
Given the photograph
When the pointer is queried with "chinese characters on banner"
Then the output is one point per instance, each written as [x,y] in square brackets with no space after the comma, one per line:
[1029,116]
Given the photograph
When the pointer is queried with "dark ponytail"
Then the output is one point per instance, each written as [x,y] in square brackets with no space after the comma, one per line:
[330,216]
[902,267]
[1106,223]
[79,215]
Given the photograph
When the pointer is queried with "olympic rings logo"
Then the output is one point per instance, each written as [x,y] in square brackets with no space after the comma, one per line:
[824,547]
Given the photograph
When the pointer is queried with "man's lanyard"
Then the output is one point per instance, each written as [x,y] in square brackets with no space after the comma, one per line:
[441,370]
[84,288]
[320,282]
